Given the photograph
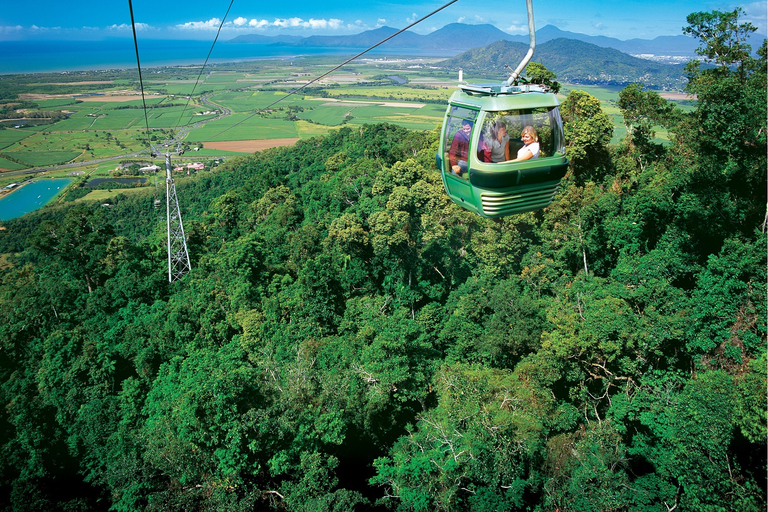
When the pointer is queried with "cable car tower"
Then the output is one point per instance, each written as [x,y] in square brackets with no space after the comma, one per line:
[178,256]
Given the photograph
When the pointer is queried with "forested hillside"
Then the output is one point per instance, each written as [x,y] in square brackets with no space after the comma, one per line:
[349,339]
[574,61]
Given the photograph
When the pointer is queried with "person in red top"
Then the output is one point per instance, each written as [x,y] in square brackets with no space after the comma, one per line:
[458,155]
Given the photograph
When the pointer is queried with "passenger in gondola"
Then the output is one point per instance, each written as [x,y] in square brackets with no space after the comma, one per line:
[531,145]
[499,143]
[458,155]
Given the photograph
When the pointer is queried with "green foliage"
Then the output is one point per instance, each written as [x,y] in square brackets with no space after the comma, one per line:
[478,449]
[538,74]
[572,61]
[349,339]
[588,130]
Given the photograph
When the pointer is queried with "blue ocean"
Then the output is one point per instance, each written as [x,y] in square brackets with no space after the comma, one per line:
[59,56]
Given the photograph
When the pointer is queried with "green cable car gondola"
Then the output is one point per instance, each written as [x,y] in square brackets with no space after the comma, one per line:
[501,146]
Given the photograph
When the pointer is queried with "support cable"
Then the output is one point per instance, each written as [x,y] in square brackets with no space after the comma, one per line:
[204,64]
[295,91]
[138,65]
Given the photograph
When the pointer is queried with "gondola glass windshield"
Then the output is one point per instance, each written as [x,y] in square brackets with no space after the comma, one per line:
[519,135]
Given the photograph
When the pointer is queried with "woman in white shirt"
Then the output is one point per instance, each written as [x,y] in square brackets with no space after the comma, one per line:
[531,147]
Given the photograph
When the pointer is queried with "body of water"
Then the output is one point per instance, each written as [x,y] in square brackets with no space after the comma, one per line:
[30,197]
[44,56]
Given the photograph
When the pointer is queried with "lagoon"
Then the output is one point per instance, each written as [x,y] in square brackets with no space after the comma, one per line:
[30,197]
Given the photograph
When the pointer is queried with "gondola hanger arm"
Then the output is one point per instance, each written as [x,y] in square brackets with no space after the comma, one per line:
[531,48]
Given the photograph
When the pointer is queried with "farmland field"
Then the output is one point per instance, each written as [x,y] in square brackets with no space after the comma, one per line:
[235,108]
[42,158]
[244,127]
[11,166]
[8,137]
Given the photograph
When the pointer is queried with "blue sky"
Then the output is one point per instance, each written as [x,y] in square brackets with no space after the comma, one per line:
[199,19]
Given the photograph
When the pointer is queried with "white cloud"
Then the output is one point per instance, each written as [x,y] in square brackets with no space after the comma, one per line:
[125,27]
[212,24]
[312,24]
[44,29]
[239,22]
[258,23]
[756,13]
[287,23]
[315,24]
[357,26]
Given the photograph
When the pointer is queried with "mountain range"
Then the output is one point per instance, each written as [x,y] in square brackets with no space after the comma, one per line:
[460,37]
[485,50]
[572,61]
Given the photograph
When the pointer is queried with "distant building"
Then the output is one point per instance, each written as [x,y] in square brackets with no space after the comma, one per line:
[150,168]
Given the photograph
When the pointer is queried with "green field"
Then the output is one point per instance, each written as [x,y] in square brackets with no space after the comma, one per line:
[244,127]
[99,126]
[13,166]
[43,158]
[10,136]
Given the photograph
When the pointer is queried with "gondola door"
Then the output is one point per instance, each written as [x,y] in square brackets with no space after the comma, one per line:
[458,144]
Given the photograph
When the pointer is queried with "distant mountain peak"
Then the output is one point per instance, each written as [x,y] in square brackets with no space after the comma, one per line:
[462,36]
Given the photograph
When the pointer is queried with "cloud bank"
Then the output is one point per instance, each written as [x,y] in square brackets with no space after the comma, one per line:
[263,24]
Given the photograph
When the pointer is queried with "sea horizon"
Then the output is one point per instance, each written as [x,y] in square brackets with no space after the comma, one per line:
[50,56]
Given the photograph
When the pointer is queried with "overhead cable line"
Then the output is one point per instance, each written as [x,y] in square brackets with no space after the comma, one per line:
[138,65]
[294,91]
[204,64]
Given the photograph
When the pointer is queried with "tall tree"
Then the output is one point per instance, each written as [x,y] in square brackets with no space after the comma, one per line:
[588,130]
[729,125]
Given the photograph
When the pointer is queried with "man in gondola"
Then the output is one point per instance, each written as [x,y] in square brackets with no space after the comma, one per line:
[458,155]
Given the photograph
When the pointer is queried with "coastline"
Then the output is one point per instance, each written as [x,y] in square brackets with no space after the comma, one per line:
[51,56]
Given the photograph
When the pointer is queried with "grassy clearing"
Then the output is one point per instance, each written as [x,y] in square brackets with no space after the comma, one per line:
[211,153]
[43,158]
[327,115]
[56,102]
[103,196]
[244,127]
[9,137]
[13,166]
[392,93]
[307,130]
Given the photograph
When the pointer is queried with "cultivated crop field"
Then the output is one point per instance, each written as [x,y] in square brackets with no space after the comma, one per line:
[226,110]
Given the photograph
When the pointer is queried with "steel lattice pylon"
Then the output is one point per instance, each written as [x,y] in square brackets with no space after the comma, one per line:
[178,257]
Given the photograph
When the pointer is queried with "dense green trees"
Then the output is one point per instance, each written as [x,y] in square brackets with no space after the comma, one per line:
[348,339]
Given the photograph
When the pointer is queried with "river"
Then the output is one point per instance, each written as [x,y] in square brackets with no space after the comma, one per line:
[30,197]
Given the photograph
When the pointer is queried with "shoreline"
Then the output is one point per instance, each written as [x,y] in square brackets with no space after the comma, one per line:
[44,56]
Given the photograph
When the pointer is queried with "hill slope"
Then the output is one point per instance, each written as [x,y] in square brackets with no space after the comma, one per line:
[462,36]
[573,61]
